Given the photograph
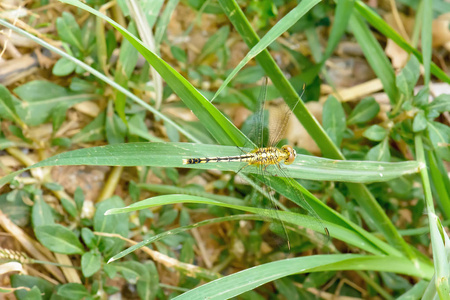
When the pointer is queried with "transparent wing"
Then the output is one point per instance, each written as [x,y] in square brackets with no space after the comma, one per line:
[282,124]
[275,205]
[300,199]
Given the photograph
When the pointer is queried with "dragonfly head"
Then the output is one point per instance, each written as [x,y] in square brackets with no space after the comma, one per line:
[290,154]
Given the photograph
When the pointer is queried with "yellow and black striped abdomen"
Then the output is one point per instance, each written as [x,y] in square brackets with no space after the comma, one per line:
[259,156]
[241,158]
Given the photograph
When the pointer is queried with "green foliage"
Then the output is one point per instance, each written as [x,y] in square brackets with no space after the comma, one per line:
[363,218]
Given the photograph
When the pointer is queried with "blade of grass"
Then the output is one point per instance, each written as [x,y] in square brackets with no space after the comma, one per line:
[249,279]
[441,182]
[296,219]
[162,154]
[284,24]
[426,38]
[222,129]
[375,56]
[437,240]
[344,9]
[377,22]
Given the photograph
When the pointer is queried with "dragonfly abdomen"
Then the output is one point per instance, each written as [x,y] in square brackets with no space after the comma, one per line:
[259,156]
[203,160]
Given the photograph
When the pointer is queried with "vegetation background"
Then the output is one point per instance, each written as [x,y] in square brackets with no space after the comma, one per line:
[95,200]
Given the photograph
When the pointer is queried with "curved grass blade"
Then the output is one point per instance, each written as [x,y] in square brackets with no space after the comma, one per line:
[164,154]
[377,22]
[339,232]
[221,128]
[282,26]
[375,56]
[238,283]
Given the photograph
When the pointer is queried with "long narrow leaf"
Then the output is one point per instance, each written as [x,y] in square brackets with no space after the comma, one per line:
[223,130]
[284,24]
[249,279]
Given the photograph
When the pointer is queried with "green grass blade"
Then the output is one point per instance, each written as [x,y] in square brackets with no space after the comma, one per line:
[338,232]
[436,231]
[441,182]
[165,154]
[426,38]
[377,22]
[344,9]
[249,279]
[286,90]
[220,127]
[375,56]
[282,26]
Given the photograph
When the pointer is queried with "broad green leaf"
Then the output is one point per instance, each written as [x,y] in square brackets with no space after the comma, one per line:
[58,115]
[334,120]
[44,287]
[132,271]
[110,224]
[439,135]
[420,122]
[364,111]
[94,131]
[58,239]
[14,208]
[78,197]
[284,24]
[63,67]
[19,133]
[90,263]
[7,108]
[178,54]
[69,207]
[69,31]
[380,152]
[147,288]
[439,105]
[4,143]
[421,98]
[89,238]
[41,213]
[407,78]
[73,291]
[375,133]
[40,98]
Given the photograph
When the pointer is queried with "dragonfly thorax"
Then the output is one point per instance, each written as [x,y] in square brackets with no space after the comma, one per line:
[272,156]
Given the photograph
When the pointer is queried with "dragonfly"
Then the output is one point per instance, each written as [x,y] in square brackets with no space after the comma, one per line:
[264,156]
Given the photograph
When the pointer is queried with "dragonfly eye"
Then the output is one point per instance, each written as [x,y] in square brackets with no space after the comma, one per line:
[291,154]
